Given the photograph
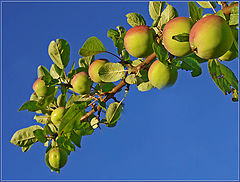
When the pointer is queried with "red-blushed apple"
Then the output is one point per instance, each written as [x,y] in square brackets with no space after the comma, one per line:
[211,37]
[177,26]
[94,68]
[41,89]
[138,41]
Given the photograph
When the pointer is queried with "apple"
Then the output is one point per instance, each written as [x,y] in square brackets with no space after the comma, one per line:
[177,26]
[232,52]
[57,115]
[41,89]
[161,75]
[94,68]
[81,83]
[211,37]
[57,157]
[138,41]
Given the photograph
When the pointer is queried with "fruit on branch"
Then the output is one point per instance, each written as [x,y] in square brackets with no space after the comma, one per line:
[138,41]
[56,116]
[232,52]
[57,157]
[177,26]
[94,68]
[161,75]
[81,83]
[41,89]
[211,37]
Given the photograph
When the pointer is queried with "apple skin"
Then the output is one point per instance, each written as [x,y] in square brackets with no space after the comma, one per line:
[41,89]
[174,27]
[161,76]
[211,37]
[138,41]
[231,53]
[57,115]
[57,157]
[94,68]
[81,83]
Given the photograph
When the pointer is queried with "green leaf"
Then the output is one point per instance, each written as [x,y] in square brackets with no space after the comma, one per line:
[25,149]
[61,100]
[144,86]
[68,145]
[131,79]
[114,112]
[135,19]
[223,77]
[155,9]
[86,61]
[234,16]
[105,87]
[43,71]
[78,99]
[194,56]
[55,71]
[74,113]
[25,137]
[42,119]
[94,123]
[31,106]
[161,52]
[83,128]
[59,52]
[220,13]
[76,139]
[92,47]
[137,62]
[184,37]
[39,134]
[49,129]
[207,4]
[111,72]
[189,63]
[117,37]
[194,12]
[169,13]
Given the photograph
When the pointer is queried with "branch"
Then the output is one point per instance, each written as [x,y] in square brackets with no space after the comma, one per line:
[121,84]
[227,10]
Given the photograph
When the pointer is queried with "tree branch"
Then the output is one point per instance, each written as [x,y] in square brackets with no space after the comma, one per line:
[121,84]
[227,10]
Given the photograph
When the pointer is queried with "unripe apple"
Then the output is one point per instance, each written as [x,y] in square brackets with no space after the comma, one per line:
[211,37]
[41,89]
[57,157]
[138,41]
[176,26]
[94,68]
[161,75]
[232,52]
[81,83]
[57,115]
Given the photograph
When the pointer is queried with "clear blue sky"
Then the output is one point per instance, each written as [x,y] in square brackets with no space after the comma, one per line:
[189,131]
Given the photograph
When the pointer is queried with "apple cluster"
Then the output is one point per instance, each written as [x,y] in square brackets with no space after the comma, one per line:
[210,37]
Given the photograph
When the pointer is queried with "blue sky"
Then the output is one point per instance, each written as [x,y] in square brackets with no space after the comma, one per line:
[188,131]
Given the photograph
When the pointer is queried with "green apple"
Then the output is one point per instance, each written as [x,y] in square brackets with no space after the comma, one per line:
[57,115]
[81,83]
[41,89]
[57,157]
[232,53]
[161,75]
[211,37]
[138,41]
[94,68]
[177,26]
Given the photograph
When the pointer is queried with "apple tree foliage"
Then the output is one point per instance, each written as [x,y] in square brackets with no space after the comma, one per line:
[85,113]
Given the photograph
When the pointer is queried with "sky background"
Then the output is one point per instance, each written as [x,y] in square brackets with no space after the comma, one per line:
[186,132]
